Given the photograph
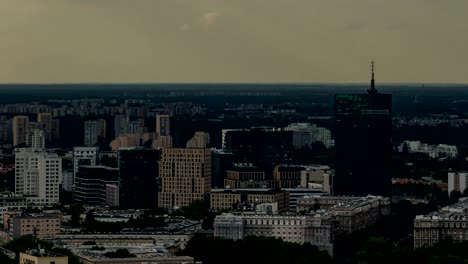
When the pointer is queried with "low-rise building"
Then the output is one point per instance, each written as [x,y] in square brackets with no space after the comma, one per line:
[42,257]
[317,230]
[317,227]
[221,199]
[41,226]
[155,260]
[450,221]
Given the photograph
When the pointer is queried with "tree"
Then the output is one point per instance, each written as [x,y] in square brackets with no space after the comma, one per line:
[455,196]
[120,253]
[465,192]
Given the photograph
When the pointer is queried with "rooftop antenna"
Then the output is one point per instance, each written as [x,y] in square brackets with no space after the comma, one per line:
[372,89]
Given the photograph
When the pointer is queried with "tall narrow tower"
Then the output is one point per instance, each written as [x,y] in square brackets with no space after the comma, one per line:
[372,89]
[363,124]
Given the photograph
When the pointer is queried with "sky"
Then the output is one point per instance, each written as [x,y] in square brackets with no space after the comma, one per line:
[247,41]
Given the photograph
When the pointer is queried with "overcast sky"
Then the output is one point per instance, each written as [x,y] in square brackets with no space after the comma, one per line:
[56,41]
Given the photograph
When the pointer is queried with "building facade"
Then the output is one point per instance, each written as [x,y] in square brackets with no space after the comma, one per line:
[41,226]
[221,199]
[185,176]
[38,176]
[138,177]
[90,184]
[20,130]
[45,122]
[42,257]
[317,230]
[450,221]
[83,156]
[457,181]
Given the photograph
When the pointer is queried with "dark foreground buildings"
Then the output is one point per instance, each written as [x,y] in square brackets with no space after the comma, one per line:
[138,174]
[363,143]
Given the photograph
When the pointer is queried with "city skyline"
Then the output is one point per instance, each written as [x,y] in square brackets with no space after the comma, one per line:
[232,41]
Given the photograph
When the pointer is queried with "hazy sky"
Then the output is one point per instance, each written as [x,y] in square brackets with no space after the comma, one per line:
[52,41]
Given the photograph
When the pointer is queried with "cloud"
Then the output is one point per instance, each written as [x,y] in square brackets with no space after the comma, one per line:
[184,27]
[209,18]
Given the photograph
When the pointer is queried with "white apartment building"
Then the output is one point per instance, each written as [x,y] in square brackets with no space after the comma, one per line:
[307,133]
[36,139]
[457,181]
[38,175]
[90,133]
[433,151]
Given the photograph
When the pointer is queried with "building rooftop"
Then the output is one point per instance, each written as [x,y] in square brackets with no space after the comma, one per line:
[247,190]
[42,253]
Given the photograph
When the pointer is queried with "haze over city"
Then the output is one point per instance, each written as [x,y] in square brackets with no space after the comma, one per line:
[311,41]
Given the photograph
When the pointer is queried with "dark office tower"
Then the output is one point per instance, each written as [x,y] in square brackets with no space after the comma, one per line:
[363,143]
[263,147]
[90,184]
[220,162]
[138,174]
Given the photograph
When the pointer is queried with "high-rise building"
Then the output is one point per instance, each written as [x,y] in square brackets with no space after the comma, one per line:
[90,133]
[38,176]
[20,130]
[199,140]
[83,156]
[363,143]
[90,184]
[121,125]
[36,139]
[163,125]
[185,176]
[55,128]
[457,181]
[220,162]
[101,128]
[4,129]
[45,121]
[138,178]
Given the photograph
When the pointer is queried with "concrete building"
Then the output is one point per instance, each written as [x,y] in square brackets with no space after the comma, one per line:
[83,156]
[112,195]
[317,230]
[163,125]
[185,176]
[36,139]
[38,176]
[20,130]
[90,133]
[45,122]
[41,226]
[142,260]
[121,125]
[450,221]
[440,151]
[93,130]
[306,133]
[317,177]
[42,257]
[350,213]
[221,199]
[241,174]
[90,184]
[199,140]
[457,181]
[296,193]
